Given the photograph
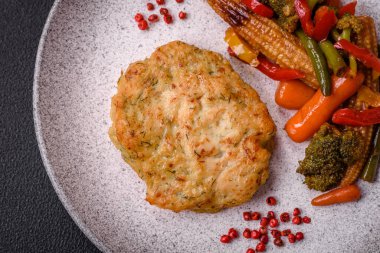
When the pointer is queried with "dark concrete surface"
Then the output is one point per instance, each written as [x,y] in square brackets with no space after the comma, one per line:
[32,219]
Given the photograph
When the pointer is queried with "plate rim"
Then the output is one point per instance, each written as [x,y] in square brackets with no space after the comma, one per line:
[40,141]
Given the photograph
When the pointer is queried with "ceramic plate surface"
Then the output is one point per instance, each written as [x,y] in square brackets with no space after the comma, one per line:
[83,49]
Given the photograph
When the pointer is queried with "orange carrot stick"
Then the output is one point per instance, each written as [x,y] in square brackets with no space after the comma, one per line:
[293,94]
[319,108]
[340,195]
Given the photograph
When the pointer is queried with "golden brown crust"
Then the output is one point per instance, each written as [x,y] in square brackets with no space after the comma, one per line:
[191,129]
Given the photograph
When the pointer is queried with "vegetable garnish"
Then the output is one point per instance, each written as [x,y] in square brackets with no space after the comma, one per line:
[259,8]
[240,48]
[304,12]
[368,96]
[370,169]
[352,117]
[325,20]
[333,3]
[328,156]
[319,108]
[293,94]
[339,195]
[346,34]
[348,8]
[334,59]
[362,54]
[275,72]
[318,61]
[248,55]
[312,3]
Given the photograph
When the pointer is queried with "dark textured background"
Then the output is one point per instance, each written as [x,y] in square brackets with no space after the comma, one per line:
[32,219]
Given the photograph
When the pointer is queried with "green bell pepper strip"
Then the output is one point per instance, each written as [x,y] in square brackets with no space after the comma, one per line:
[346,34]
[334,60]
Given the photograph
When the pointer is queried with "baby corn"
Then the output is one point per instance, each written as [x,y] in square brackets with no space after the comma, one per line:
[266,36]
[366,39]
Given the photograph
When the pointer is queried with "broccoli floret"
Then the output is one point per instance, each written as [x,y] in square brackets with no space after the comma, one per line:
[328,156]
[323,182]
[285,12]
[350,21]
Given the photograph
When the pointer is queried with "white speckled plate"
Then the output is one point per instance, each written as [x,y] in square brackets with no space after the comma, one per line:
[84,46]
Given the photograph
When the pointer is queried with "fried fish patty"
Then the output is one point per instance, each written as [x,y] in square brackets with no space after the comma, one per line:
[192,129]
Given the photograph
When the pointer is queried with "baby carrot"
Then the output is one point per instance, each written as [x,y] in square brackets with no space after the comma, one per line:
[293,94]
[319,108]
[340,195]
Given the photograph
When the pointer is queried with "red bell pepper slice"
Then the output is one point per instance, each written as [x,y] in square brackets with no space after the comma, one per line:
[362,54]
[352,117]
[304,13]
[348,8]
[259,8]
[277,73]
[325,20]
[333,3]
[231,52]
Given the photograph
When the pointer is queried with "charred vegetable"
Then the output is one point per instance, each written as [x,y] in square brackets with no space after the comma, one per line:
[268,37]
[328,156]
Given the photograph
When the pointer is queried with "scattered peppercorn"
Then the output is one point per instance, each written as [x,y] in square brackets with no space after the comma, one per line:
[139,17]
[299,236]
[296,212]
[225,239]
[270,215]
[153,18]
[264,239]
[278,242]
[286,232]
[168,19]
[275,233]
[263,230]
[143,25]
[247,233]
[291,238]
[271,201]
[150,6]
[164,11]
[285,217]
[233,233]
[306,220]
[182,15]
[264,221]
[256,216]
[179,1]
[296,220]
[247,216]
[273,223]
[255,234]
[260,247]
[160,2]
[250,250]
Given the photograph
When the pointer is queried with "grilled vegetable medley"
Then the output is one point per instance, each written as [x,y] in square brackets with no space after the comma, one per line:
[326,59]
